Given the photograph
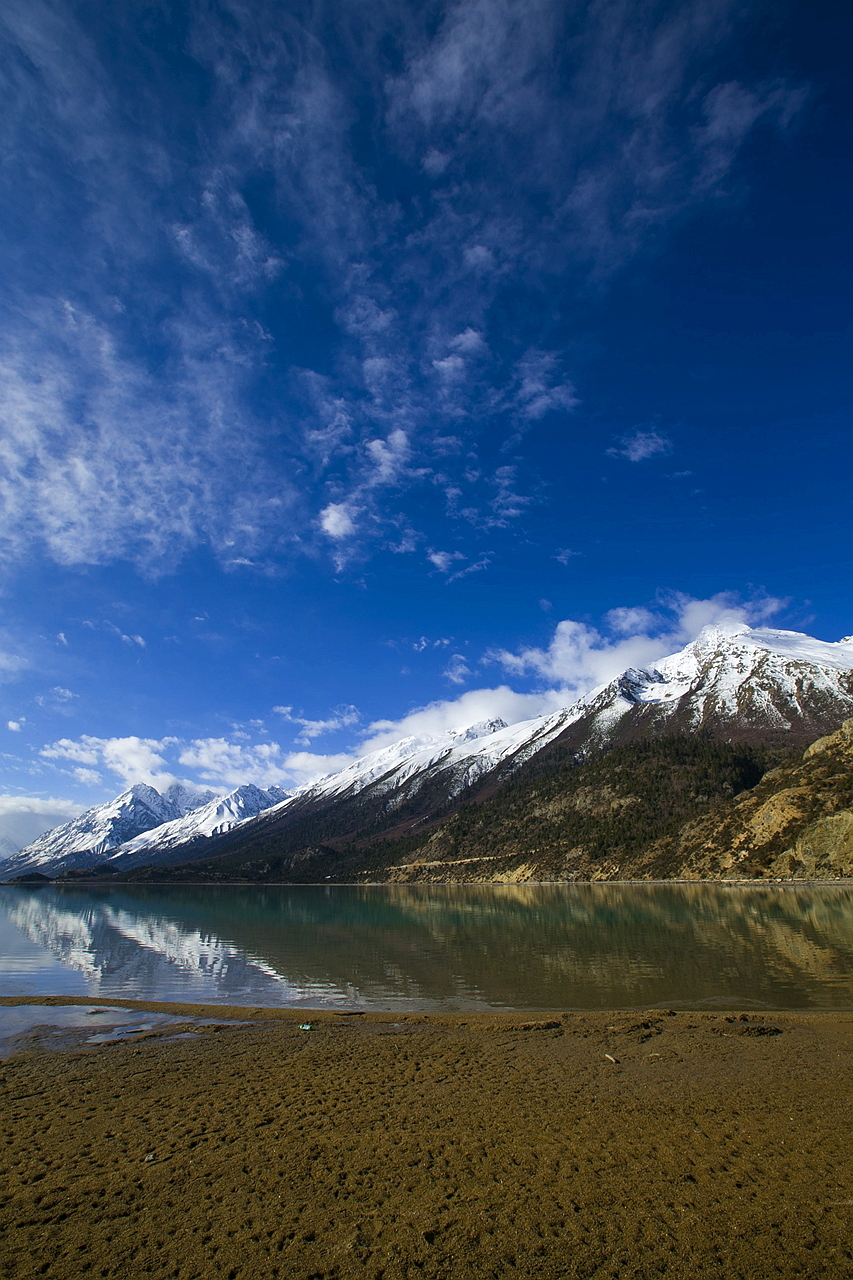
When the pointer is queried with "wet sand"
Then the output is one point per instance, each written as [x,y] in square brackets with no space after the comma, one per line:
[423,1146]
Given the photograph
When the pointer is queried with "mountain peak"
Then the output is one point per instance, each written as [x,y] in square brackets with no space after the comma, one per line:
[142,791]
[716,633]
[482,729]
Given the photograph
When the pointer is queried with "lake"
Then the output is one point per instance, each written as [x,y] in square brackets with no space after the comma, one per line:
[435,947]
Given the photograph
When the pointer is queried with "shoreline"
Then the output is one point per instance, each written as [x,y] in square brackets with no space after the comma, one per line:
[779,883]
[330,1015]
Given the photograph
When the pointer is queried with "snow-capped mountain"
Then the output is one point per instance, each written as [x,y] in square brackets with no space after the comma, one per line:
[90,838]
[460,757]
[390,777]
[732,682]
[220,815]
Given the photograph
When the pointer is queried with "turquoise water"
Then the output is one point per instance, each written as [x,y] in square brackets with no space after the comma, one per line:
[462,947]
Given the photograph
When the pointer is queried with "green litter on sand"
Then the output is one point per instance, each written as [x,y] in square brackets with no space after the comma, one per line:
[305,1026]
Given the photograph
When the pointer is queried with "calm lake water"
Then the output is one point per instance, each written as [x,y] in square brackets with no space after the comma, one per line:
[463,947]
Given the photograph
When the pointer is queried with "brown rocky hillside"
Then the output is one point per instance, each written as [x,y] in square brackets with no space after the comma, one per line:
[797,823]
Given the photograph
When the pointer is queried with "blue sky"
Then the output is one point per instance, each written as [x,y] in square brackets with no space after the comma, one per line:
[371,368]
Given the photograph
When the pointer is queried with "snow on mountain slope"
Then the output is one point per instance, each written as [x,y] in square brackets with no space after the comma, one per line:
[187,799]
[742,679]
[86,839]
[210,820]
[397,772]
[449,761]
[89,839]
[466,753]
[795,645]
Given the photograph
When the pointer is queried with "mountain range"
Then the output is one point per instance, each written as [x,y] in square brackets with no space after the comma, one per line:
[694,729]
[137,826]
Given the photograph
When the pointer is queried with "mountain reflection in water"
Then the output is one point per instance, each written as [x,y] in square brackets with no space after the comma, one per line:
[451,947]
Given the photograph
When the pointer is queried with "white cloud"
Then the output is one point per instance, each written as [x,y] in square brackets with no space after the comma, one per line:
[579,656]
[457,670]
[630,620]
[24,818]
[434,162]
[479,257]
[477,566]
[565,555]
[87,777]
[132,759]
[540,386]
[57,699]
[301,768]
[11,663]
[451,368]
[507,503]
[424,643]
[336,520]
[14,725]
[470,341]
[640,444]
[469,708]
[731,111]
[131,640]
[445,560]
[341,718]
[220,762]
[388,458]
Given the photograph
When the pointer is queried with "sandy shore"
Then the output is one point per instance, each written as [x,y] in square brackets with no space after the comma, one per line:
[422,1146]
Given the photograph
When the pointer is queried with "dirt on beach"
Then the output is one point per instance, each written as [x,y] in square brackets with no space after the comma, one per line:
[576,1145]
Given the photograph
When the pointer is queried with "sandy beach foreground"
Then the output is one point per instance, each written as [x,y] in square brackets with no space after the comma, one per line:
[575,1145]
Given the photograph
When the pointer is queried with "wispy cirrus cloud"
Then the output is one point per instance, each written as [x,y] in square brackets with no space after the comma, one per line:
[98,462]
[641,443]
[341,718]
[149,408]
